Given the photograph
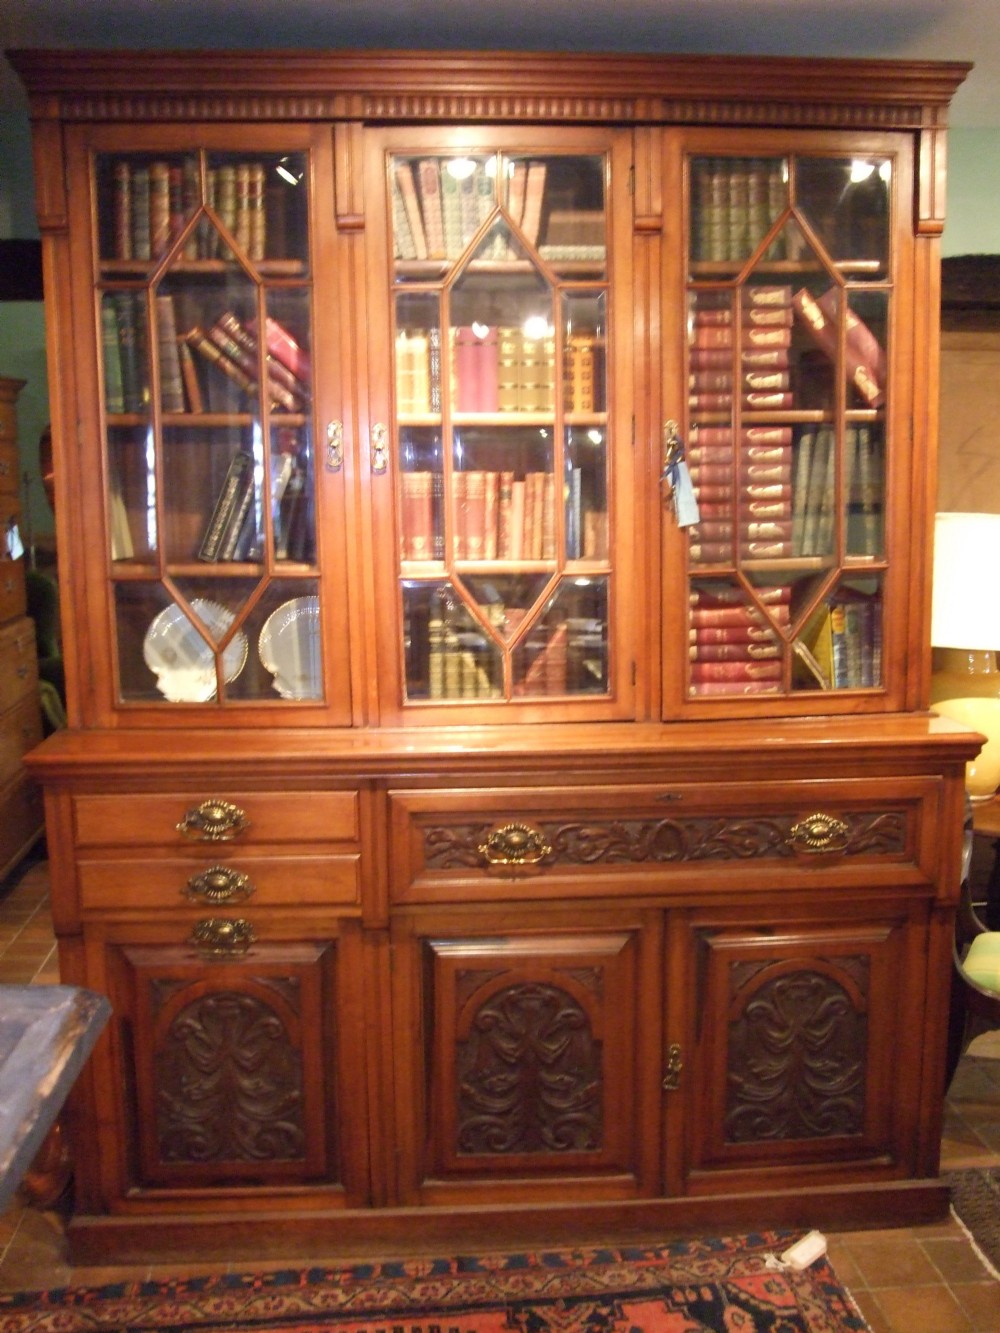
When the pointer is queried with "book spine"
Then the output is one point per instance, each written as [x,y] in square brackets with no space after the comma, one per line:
[428,173]
[238,475]
[114,394]
[171,381]
[202,344]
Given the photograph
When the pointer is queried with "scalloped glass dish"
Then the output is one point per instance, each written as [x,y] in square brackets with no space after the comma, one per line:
[289,648]
[181,660]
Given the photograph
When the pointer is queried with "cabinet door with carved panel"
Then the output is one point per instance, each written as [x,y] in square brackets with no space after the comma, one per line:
[233,1048]
[803,1032]
[532,1075]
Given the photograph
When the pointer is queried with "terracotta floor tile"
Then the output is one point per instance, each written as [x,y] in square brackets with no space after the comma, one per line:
[922,1309]
[981,1303]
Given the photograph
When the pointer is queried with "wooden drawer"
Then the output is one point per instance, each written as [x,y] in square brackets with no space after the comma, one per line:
[223,884]
[558,841]
[18,663]
[13,592]
[20,731]
[21,819]
[139,820]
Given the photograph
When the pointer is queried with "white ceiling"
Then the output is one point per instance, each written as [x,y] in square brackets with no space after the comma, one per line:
[912,29]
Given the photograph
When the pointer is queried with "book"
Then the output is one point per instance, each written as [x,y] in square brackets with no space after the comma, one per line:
[863,357]
[171,380]
[130,309]
[285,348]
[428,174]
[114,395]
[237,481]
[417,528]
[403,176]
[214,355]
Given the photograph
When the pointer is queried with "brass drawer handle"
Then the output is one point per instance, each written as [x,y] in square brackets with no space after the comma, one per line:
[818,833]
[219,884]
[515,845]
[213,821]
[222,937]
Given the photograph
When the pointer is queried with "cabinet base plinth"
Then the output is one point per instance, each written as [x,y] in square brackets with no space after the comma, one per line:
[250,1237]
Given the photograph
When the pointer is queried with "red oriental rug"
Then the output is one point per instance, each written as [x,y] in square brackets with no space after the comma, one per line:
[687,1286]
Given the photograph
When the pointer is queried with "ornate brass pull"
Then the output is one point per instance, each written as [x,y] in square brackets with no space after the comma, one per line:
[515,845]
[221,937]
[334,446]
[675,1064]
[673,445]
[213,821]
[380,447]
[219,884]
[818,833]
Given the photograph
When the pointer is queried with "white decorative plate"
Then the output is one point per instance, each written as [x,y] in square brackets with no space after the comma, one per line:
[183,663]
[289,648]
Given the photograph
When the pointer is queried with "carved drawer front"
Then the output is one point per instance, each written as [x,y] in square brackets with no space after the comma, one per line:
[528,843]
[18,657]
[231,879]
[803,1030]
[216,817]
[229,1065]
[529,1066]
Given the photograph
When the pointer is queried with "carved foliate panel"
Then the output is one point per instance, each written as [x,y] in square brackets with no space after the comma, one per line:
[797,1057]
[531,1055]
[529,1075]
[229,1084]
[231,1065]
[675,839]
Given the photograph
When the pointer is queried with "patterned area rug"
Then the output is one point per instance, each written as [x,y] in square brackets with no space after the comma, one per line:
[701,1286]
[975,1198]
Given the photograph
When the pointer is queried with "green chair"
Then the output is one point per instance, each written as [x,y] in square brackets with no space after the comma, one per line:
[975,991]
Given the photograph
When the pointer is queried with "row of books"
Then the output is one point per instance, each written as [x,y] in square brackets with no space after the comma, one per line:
[744,501]
[762,378]
[498,516]
[462,662]
[735,645]
[235,527]
[438,205]
[736,201]
[497,369]
[229,346]
[842,646]
[153,202]
[814,493]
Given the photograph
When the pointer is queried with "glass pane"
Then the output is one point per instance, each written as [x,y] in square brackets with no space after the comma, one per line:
[586,494]
[825,313]
[846,203]
[735,202]
[439,204]
[584,355]
[448,653]
[735,640]
[421,486]
[503,495]
[840,646]
[132,494]
[863,489]
[284,631]
[565,648]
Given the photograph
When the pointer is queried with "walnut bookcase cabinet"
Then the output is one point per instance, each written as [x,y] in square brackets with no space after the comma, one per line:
[473,848]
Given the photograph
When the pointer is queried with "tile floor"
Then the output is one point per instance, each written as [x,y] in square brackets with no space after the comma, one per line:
[925,1279]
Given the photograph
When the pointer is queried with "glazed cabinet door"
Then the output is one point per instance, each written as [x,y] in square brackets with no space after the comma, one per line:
[807,1046]
[790,403]
[526,1058]
[500,449]
[210,481]
[230,1049]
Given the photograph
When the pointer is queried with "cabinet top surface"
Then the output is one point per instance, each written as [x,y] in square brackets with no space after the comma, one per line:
[371,83]
[690,750]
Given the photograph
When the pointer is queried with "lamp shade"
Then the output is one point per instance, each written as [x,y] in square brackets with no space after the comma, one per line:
[965,611]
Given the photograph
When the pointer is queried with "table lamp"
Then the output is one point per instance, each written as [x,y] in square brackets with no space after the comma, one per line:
[965,628]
